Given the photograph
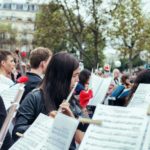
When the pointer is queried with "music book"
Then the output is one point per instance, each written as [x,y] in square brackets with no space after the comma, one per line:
[47,133]
[141,97]
[146,138]
[36,134]
[9,95]
[99,87]
[122,129]
[61,134]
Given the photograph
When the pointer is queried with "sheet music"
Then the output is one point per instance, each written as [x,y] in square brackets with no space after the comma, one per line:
[122,129]
[141,97]
[5,80]
[9,95]
[36,135]
[102,85]
[146,141]
[3,87]
[95,82]
[62,133]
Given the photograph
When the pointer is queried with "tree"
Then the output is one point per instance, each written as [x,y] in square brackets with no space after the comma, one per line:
[50,28]
[129,33]
[7,36]
[87,33]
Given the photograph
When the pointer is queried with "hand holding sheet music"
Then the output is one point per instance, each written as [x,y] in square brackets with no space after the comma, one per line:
[48,133]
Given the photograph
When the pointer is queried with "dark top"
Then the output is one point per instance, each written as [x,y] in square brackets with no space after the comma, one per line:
[7,142]
[79,88]
[30,108]
[33,81]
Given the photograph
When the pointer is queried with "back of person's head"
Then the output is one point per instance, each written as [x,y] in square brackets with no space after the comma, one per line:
[124,78]
[38,55]
[4,54]
[57,80]
[116,73]
[84,76]
[142,77]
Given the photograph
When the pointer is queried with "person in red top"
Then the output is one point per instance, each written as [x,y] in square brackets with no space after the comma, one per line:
[85,94]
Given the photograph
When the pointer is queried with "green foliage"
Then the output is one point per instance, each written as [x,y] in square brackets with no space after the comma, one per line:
[58,27]
[7,34]
[131,29]
[50,28]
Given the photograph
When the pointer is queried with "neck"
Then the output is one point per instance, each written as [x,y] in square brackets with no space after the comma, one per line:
[3,72]
[37,71]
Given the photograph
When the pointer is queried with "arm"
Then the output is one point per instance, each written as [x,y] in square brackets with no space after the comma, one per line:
[27,113]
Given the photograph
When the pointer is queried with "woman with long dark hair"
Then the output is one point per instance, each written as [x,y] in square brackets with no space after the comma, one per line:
[60,77]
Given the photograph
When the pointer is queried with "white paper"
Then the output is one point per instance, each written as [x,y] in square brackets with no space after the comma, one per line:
[141,97]
[9,95]
[62,133]
[36,135]
[122,129]
[146,141]
[3,87]
[100,87]
[5,80]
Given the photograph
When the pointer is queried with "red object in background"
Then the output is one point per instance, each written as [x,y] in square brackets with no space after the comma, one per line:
[23,54]
[84,97]
[22,79]
[107,67]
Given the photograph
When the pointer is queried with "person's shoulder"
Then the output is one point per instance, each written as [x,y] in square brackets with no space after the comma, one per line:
[34,96]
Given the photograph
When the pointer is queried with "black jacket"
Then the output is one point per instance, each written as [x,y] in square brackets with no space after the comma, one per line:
[33,81]
[30,108]
[7,142]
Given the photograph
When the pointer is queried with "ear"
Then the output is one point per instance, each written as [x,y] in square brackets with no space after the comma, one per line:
[41,64]
[2,63]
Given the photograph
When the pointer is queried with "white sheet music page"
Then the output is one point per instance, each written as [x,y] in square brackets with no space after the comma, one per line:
[62,133]
[102,85]
[9,95]
[36,135]
[95,82]
[141,97]
[122,129]
[146,141]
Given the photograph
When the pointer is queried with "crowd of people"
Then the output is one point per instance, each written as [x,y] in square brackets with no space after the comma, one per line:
[51,77]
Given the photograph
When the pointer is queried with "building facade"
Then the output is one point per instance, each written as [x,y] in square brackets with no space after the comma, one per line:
[17,24]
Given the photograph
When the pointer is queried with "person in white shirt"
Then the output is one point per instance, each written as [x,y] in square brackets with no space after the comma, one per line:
[7,65]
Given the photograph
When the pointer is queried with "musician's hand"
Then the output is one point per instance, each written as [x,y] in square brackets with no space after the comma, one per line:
[53,114]
[65,109]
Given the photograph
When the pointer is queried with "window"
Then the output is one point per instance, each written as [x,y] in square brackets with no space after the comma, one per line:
[19,7]
[13,6]
[25,7]
[7,6]
[1,6]
[31,7]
